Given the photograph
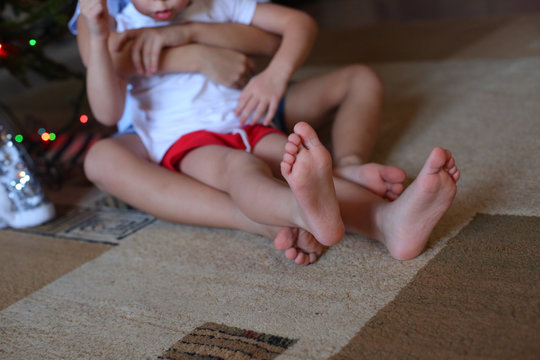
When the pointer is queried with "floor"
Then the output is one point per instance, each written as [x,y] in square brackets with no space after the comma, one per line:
[347,13]
[405,36]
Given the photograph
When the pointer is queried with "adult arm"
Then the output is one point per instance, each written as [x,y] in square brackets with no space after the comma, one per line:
[298,31]
[147,43]
[209,54]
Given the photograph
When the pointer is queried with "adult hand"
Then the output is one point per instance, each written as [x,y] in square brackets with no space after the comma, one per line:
[260,98]
[149,42]
[226,67]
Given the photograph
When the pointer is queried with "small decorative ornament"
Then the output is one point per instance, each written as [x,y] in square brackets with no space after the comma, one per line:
[22,201]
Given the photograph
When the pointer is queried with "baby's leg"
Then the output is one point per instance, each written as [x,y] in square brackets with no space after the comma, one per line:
[245,178]
[409,221]
[167,195]
[174,196]
[385,181]
[266,199]
[354,94]
[307,168]
[405,224]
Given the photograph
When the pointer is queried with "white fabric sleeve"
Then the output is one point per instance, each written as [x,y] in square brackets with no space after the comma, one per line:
[238,11]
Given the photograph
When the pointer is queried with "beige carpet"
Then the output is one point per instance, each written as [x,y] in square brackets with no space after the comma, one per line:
[160,290]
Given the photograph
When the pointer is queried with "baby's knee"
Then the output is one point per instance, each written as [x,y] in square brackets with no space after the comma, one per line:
[95,161]
[239,161]
[365,79]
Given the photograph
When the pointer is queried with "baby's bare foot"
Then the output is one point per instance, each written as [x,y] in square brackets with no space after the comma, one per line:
[298,245]
[385,181]
[407,222]
[307,168]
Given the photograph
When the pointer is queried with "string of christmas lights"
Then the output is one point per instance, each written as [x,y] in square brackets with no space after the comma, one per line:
[26,28]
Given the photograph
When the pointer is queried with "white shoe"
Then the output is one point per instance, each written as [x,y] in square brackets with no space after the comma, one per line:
[22,201]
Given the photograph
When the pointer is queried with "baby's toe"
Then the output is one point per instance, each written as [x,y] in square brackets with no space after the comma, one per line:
[291,253]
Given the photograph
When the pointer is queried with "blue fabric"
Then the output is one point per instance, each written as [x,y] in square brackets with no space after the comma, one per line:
[115,6]
[279,118]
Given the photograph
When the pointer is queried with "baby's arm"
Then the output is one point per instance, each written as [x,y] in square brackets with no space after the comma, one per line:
[148,43]
[106,91]
[298,31]
[223,66]
[218,62]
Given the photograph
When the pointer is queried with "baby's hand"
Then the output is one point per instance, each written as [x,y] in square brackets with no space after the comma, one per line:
[97,17]
[148,43]
[225,67]
[260,97]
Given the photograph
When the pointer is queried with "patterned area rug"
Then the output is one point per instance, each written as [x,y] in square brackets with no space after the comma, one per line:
[211,341]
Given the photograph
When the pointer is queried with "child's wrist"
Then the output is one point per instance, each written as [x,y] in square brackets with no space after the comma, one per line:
[191,32]
[281,70]
[98,32]
[99,41]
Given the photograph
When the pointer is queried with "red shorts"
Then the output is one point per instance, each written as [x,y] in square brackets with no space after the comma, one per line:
[243,139]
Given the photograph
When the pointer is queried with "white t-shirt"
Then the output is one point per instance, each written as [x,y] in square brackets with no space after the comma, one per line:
[115,7]
[172,105]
